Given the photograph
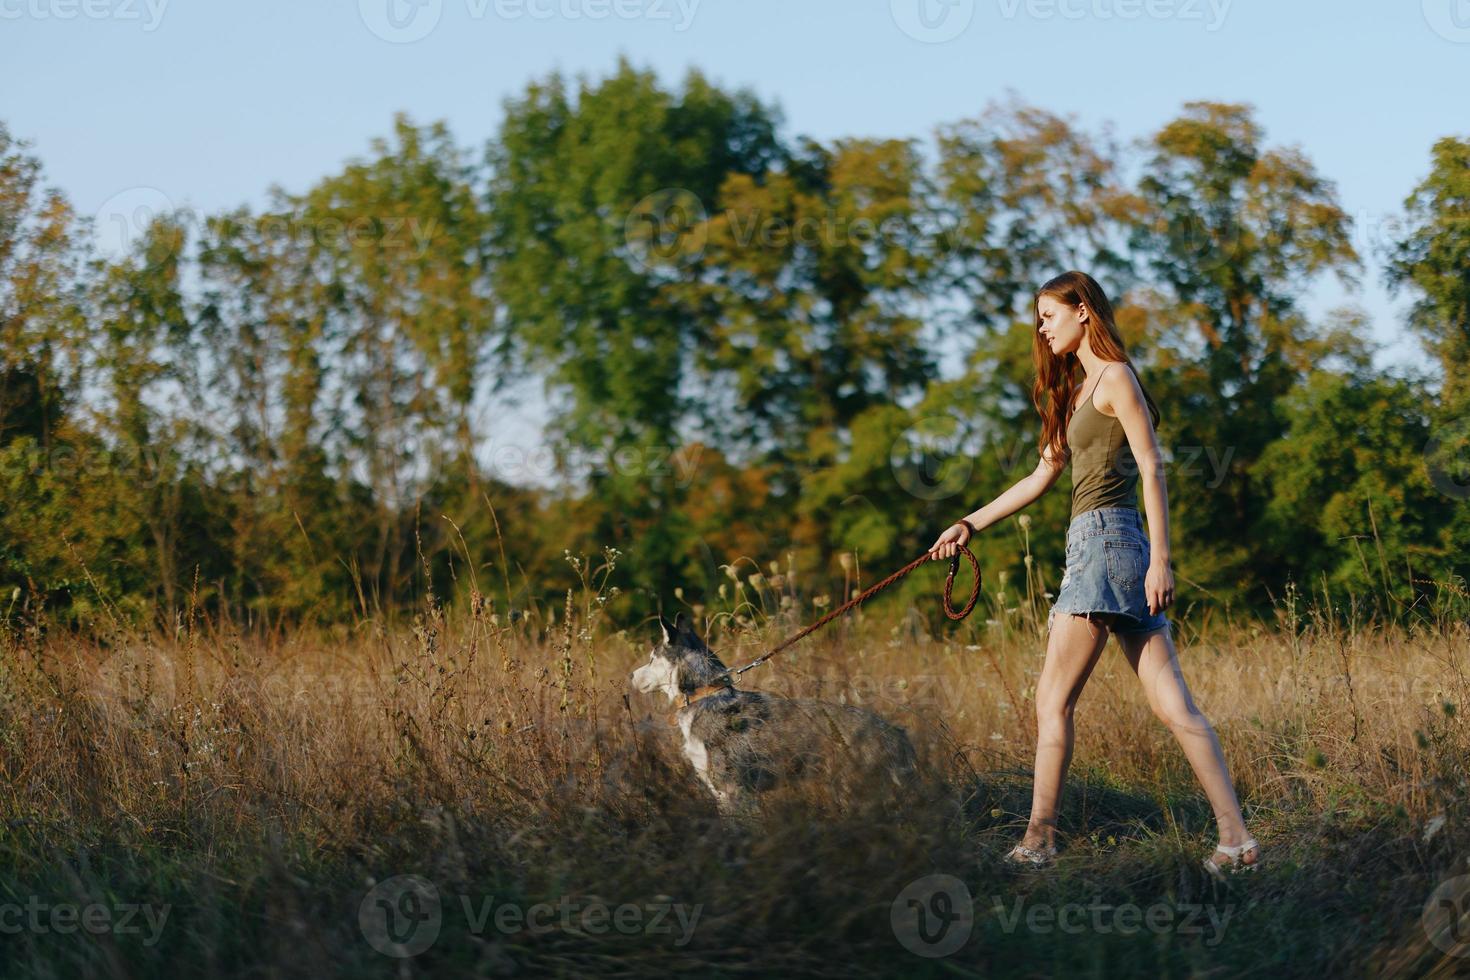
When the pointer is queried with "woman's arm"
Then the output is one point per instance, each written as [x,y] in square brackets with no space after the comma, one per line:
[1020,495]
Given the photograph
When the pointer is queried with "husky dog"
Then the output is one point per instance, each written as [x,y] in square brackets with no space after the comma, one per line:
[745,742]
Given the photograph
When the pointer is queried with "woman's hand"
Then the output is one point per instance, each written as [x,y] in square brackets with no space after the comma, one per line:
[949,542]
[1158,586]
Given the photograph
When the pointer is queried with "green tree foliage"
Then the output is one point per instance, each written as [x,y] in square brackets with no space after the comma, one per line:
[1433,258]
[576,181]
[1232,233]
[752,346]
[1432,261]
[42,298]
[1351,498]
[804,298]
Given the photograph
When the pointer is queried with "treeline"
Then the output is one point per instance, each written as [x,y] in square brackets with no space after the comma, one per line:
[752,345]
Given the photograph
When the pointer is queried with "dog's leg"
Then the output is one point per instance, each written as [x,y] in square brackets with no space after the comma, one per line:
[698,756]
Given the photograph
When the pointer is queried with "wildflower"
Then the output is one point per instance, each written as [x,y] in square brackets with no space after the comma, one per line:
[848,561]
[775,567]
[731,573]
[822,601]
[1025,521]
[1029,561]
[757,579]
[679,592]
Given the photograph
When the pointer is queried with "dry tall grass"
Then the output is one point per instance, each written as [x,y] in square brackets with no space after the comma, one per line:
[259,789]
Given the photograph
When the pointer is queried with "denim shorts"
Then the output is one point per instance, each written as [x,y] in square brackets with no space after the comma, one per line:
[1107,558]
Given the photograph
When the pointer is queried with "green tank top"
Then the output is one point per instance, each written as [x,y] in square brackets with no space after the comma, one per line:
[1104,473]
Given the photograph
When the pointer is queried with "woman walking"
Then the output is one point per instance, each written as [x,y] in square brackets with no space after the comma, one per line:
[1117,578]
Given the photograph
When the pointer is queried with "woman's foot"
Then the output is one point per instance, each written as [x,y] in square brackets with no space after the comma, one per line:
[1036,854]
[1233,858]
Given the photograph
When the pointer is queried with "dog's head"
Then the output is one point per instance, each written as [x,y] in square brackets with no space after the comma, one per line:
[680,663]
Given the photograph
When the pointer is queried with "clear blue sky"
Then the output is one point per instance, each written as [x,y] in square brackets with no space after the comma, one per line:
[208,103]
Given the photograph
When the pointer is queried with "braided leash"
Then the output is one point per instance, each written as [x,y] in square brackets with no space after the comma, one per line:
[949,610]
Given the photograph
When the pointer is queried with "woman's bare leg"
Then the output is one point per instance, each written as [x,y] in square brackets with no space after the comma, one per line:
[1073,647]
[1155,661]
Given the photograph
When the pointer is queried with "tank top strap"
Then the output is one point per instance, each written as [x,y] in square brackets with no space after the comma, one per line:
[1093,392]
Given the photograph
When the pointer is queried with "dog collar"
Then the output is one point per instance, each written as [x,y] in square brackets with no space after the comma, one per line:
[699,694]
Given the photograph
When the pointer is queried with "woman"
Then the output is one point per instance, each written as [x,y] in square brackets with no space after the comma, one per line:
[1110,584]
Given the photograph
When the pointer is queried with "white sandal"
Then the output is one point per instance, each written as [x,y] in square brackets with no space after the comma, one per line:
[1234,853]
[1037,858]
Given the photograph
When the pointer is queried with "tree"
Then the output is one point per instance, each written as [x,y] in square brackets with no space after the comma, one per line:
[1350,500]
[144,352]
[42,297]
[1433,259]
[803,298]
[584,192]
[1232,233]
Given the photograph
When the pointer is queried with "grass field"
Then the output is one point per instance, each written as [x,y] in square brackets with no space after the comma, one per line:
[206,803]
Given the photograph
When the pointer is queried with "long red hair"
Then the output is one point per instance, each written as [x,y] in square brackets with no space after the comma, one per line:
[1059,378]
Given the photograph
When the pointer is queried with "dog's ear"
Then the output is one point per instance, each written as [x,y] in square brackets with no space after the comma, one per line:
[668,629]
[685,627]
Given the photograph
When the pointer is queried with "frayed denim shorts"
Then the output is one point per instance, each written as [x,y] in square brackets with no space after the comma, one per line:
[1107,558]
